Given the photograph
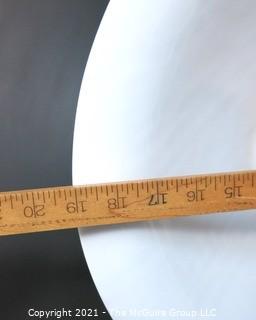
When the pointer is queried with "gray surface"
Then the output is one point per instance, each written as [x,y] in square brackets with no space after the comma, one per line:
[44,46]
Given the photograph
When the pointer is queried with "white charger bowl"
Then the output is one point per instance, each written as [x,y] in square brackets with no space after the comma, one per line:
[169,89]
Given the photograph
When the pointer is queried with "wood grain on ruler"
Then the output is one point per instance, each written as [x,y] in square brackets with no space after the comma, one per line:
[68,207]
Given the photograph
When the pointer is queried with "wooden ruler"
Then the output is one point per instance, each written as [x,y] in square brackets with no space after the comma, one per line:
[90,205]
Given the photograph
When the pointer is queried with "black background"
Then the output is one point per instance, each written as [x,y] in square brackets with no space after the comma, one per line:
[44,46]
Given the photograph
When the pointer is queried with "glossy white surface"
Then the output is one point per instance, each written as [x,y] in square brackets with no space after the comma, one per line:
[169,89]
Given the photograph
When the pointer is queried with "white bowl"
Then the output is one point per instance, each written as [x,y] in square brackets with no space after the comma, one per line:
[169,89]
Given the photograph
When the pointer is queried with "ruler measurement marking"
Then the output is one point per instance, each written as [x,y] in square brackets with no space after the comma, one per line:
[96,192]
[177,185]
[117,193]
[136,208]
[127,188]
[21,196]
[54,197]
[11,201]
[206,182]
[85,190]
[33,200]
[43,196]
[157,191]
[137,190]
[76,201]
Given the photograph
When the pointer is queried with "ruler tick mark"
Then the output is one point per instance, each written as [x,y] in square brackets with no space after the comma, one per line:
[137,189]
[117,192]
[11,201]
[96,192]
[76,201]
[54,197]
[177,185]
[127,188]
